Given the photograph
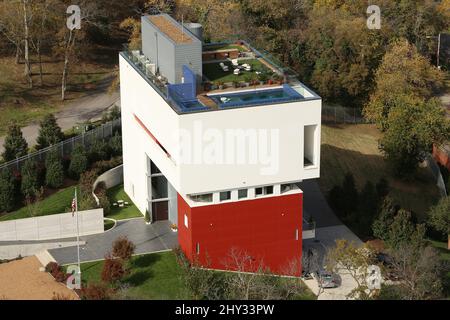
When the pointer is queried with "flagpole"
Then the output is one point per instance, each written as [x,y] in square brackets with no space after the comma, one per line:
[78,233]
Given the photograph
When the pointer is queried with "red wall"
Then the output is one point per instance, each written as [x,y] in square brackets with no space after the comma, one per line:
[263,228]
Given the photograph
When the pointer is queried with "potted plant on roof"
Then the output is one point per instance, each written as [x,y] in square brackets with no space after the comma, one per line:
[262,77]
[220,84]
[247,79]
[174,227]
[147,217]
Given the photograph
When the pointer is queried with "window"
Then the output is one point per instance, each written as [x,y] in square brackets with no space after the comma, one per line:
[226,195]
[186,221]
[242,194]
[208,197]
[197,248]
[262,191]
[309,145]
[268,190]
[296,234]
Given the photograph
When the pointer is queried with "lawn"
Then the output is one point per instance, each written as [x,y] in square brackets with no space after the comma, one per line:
[354,148]
[131,211]
[24,105]
[152,276]
[215,74]
[58,202]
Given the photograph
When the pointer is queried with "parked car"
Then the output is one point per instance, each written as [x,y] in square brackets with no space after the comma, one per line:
[327,280]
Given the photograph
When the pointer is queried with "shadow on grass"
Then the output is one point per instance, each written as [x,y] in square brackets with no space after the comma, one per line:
[145,261]
[138,278]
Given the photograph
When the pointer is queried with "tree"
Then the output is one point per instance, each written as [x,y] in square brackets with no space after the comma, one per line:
[54,175]
[49,133]
[113,269]
[8,195]
[403,230]
[380,226]
[355,261]
[78,162]
[411,128]
[15,144]
[439,217]
[419,271]
[402,73]
[30,183]
[123,248]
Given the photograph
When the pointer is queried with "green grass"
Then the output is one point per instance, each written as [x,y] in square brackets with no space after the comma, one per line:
[215,74]
[58,202]
[108,224]
[131,211]
[354,148]
[152,276]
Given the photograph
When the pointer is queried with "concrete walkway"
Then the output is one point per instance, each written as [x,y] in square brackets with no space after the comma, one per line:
[90,107]
[147,238]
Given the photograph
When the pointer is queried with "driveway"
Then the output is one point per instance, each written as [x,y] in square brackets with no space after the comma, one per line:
[147,238]
[90,107]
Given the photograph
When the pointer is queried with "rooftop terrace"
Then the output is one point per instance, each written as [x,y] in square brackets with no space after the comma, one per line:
[235,75]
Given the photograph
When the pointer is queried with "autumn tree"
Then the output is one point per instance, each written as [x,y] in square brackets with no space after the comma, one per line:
[354,260]
[403,75]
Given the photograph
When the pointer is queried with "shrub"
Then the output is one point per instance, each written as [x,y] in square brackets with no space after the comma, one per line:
[29,179]
[49,133]
[96,291]
[123,248]
[115,145]
[113,269]
[8,191]
[54,176]
[106,165]
[56,271]
[99,150]
[78,162]
[15,144]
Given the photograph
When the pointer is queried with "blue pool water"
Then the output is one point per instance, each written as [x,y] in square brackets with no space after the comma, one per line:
[256,97]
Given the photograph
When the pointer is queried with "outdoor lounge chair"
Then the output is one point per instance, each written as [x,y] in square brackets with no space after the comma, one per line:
[224,67]
[235,62]
[247,67]
[237,71]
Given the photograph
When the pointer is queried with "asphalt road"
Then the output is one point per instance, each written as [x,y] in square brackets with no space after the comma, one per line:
[90,107]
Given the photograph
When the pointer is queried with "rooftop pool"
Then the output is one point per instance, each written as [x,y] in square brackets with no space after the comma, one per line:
[256,97]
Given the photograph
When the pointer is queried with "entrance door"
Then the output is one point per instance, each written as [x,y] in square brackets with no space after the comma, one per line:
[160,210]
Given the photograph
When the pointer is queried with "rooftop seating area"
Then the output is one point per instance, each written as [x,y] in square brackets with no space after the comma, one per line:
[241,77]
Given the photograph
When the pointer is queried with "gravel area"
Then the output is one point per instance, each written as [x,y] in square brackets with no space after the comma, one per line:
[22,280]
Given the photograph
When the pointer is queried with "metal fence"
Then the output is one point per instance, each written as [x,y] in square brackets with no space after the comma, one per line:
[339,114]
[64,148]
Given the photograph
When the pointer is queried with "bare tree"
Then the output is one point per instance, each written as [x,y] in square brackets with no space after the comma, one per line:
[27,17]
[418,270]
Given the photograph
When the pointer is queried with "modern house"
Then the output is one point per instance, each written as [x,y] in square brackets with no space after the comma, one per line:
[216,138]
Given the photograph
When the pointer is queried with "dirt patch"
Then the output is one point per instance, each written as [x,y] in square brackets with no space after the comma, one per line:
[22,280]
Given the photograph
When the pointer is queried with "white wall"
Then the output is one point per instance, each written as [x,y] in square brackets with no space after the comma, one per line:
[57,226]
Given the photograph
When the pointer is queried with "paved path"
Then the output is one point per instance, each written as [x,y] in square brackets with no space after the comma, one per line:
[147,238]
[90,107]
[315,205]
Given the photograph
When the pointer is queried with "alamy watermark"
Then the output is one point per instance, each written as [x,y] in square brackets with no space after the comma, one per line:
[74,279]
[74,20]
[229,146]
[374,20]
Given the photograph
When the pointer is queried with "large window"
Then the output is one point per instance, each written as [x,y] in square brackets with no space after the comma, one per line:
[309,145]
[242,194]
[262,191]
